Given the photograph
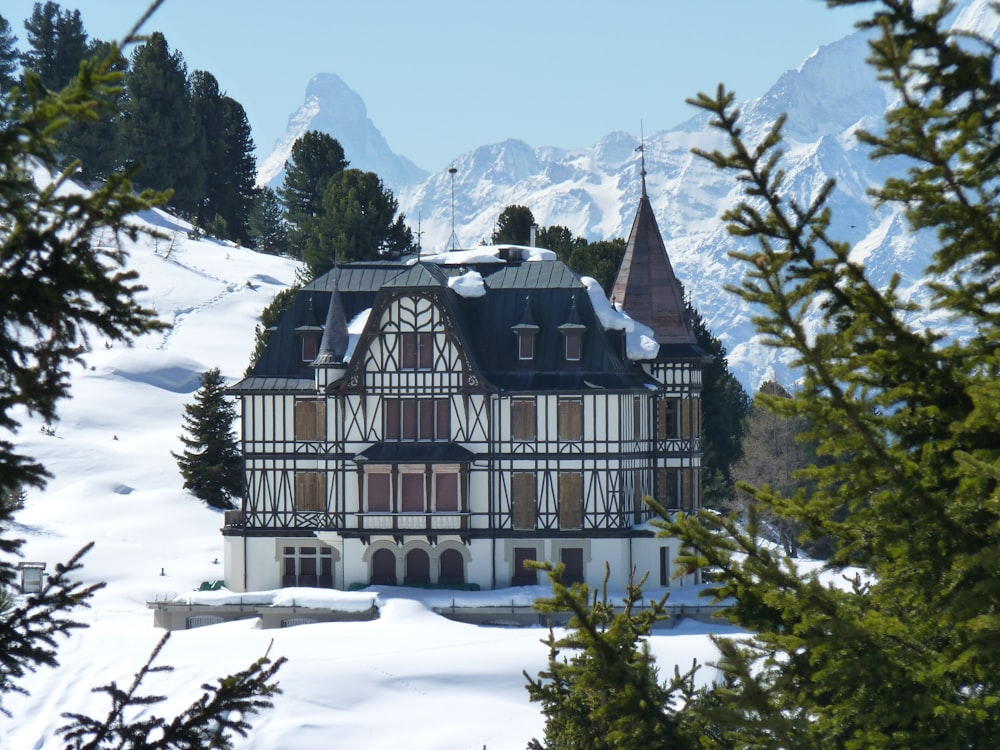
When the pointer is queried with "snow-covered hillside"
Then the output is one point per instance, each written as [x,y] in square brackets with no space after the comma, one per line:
[595,191]
[409,679]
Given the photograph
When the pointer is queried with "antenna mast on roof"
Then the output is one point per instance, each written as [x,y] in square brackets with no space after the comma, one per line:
[419,234]
[454,239]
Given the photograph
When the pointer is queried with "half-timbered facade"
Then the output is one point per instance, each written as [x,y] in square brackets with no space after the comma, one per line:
[440,421]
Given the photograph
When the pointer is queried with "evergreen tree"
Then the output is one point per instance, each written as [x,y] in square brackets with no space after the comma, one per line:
[159,126]
[8,57]
[315,159]
[904,657]
[724,407]
[514,226]
[58,286]
[211,463]
[206,106]
[358,221]
[229,165]
[241,165]
[599,260]
[268,233]
[601,689]
[96,140]
[560,240]
[57,44]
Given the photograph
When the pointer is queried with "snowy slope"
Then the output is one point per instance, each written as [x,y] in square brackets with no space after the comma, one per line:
[409,679]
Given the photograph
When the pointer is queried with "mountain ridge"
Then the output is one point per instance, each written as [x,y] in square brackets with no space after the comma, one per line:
[595,191]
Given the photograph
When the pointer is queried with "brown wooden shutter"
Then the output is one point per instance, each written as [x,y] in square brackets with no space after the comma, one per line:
[310,491]
[446,492]
[408,345]
[571,419]
[523,484]
[379,493]
[523,419]
[570,500]
[442,427]
[426,419]
[310,420]
[425,351]
[412,489]
[391,417]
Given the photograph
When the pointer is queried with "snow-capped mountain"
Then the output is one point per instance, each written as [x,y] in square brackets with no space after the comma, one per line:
[594,191]
[333,107]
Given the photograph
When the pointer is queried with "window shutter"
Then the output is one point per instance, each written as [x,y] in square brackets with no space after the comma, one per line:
[442,428]
[523,500]
[412,491]
[570,500]
[571,420]
[379,493]
[310,420]
[310,491]
[446,492]
[523,419]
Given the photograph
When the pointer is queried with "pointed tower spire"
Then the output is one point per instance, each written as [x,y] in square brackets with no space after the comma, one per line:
[646,287]
[333,345]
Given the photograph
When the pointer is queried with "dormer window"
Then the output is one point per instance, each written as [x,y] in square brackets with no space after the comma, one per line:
[310,337]
[572,332]
[574,344]
[526,332]
[526,343]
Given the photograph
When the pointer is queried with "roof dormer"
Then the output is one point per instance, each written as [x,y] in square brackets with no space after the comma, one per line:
[572,332]
[527,334]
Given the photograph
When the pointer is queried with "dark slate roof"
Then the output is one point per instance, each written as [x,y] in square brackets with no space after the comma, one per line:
[408,452]
[646,287]
[557,300]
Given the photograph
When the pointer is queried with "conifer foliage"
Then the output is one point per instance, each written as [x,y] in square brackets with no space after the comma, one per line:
[905,654]
[601,689]
[211,463]
[59,288]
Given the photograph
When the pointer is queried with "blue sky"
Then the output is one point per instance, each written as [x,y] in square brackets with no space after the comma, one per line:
[441,77]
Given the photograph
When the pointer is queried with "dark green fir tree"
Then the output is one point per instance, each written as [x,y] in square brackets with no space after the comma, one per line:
[904,654]
[8,57]
[601,689]
[268,231]
[315,159]
[358,220]
[514,226]
[57,44]
[58,285]
[211,463]
[159,131]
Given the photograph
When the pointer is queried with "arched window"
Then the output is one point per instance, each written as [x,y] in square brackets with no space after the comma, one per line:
[383,568]
[418,567]
[452,567]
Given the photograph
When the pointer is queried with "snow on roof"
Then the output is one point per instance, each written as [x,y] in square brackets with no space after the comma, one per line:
[354,331]
[639,341]
[486,254]
[469,284]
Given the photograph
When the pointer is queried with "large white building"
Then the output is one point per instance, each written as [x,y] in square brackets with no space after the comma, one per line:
[439,421]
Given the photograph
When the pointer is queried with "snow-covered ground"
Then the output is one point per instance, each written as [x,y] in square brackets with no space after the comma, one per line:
[408,679]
